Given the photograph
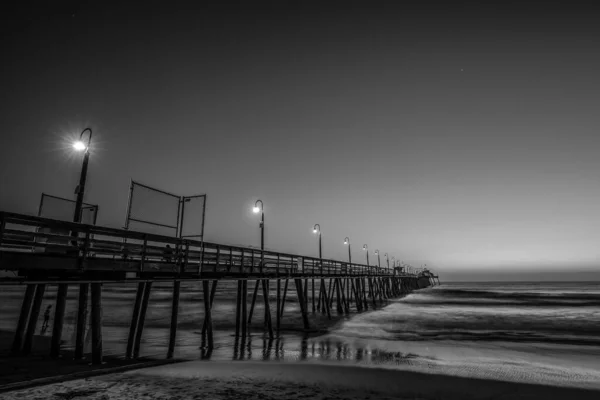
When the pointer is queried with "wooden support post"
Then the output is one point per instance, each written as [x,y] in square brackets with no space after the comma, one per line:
[33,317]
[359,291]
[81,320]
[265,288]
[253,302]
[325,298]
[238,309]
[358,297]
[140,325]
[207,314]
[330,293]
[349,292]
[174,315]
[285,289]
[96,323]
[344,298]
[278,313]
[313,293]
[364,293]
[355,290]
[23,317]
[268,289]
[213,290]
[134,319]
[306,294]
[302,303]
[244,319]
[319,307]
[59,319]
[338,297]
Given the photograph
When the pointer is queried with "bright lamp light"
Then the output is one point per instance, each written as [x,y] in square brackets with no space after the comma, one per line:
[79,145]
[256,209]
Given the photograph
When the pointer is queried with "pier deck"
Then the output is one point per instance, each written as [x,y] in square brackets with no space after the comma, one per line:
[44,248]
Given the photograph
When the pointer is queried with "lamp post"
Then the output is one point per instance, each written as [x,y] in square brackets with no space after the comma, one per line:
[378,259]
[84,287]
[318,231]
[256,209]
[366,249]
[347,241]
[387,259]
[80,190]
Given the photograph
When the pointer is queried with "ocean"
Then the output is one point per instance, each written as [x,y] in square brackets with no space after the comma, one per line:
[523,331]
[521,312]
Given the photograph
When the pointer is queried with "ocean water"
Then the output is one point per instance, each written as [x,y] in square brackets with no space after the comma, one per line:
[523,312]
[528,332]
[543,333]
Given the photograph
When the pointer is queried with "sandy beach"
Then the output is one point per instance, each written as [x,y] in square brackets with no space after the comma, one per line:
[277,380]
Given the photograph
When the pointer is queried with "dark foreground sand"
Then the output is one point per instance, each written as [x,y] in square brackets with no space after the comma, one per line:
[281,380]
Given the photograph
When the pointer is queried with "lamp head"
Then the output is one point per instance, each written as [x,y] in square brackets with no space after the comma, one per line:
[79,146]
[315,230]
[256,209]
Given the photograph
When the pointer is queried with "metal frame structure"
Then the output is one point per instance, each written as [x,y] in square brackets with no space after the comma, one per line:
[86,206]
[182,200]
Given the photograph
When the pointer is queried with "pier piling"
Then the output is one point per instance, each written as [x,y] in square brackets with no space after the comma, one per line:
[17,344]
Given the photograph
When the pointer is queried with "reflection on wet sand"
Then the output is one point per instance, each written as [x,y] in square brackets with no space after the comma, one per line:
[287,348]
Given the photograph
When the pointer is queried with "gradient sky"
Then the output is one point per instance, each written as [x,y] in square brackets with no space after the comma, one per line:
[464,136]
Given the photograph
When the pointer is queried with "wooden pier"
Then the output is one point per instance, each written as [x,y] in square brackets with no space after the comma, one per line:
[46,252]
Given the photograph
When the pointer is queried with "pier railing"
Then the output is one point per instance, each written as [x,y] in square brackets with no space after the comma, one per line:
[55,244]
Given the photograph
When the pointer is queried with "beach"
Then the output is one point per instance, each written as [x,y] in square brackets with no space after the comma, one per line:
[279,380]
[454,341]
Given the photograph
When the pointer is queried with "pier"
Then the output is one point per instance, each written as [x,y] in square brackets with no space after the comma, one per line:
[44,252]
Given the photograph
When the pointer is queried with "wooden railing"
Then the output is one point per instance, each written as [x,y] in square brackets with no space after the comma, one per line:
[54,238]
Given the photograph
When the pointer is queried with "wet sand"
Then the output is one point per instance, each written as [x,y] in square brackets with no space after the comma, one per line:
[276,380]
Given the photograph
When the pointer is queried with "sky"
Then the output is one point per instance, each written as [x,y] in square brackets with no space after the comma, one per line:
[459,135]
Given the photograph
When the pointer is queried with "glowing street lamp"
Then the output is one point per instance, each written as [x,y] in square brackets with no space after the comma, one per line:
[318,231]
[378,259]
[347,241]
[80,190]
[387,259]
[256,210]
[366,249]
